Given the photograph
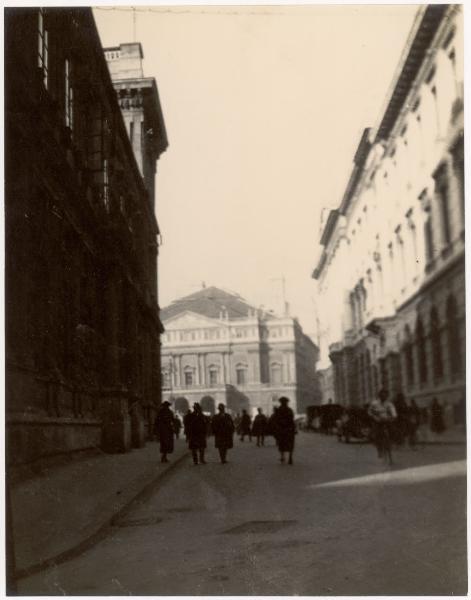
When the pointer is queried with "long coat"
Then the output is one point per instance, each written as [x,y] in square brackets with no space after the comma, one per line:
[284,428]
[223,429]
[259,426]
[245,423]
[164,429]
[197,429]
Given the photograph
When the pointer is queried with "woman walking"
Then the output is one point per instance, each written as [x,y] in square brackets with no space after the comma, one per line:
[284,430]
[197,430]
[164,430]
[223,429]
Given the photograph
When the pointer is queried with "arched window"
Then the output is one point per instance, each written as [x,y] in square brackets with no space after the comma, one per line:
[421,351]
[435,336]
[454,342]
[275,373]
[409,357]
[241,374]
[166,384]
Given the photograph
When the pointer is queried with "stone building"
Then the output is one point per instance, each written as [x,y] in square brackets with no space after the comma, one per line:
[390,275]
[217,348]
[82,319]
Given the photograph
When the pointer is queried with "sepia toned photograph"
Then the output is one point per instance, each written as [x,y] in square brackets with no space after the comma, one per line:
[235,312]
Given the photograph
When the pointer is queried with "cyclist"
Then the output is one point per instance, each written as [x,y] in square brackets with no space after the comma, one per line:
[383,413]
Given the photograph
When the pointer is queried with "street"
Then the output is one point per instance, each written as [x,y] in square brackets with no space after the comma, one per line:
[337,522]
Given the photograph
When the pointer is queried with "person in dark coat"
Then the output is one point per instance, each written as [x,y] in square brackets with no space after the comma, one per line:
[177,425]
[164,430]
[413,420]
[259,427]
[245,426]
[401,425]
[284,429]
[186,420]
[197,431]
[223,429]
[437,424]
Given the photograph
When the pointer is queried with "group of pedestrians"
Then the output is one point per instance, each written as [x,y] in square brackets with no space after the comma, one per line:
[197,427]
[397,421]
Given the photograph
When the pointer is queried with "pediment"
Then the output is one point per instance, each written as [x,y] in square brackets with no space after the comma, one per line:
[190,320]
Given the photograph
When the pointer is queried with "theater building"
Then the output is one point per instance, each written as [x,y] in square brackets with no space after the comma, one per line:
[218,348]
[82,318]
[391,279]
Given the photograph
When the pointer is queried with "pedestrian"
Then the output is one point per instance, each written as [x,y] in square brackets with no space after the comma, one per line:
[164,430]
[413,419]
[437,424]
[259,427]
[223,429]
[186,420]
[245,426]
[401,424]
[383,414]
[197,430]
[284,429]
[177,425]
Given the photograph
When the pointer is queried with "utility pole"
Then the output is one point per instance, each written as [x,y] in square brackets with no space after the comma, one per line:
[133,23]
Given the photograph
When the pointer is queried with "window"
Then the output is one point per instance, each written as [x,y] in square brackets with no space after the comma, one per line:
[106,184]
[454,341]
[131,132]
[69,96]
[435,335]
[421,351]
[213,376]
[188,377]
[241,374]
[43,49]
[458,169]
[428,235]
[166,379]
[442,192]
[276,372]
[409,357]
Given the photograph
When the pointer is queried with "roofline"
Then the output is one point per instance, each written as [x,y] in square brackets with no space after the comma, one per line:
[329,226]
[423,30]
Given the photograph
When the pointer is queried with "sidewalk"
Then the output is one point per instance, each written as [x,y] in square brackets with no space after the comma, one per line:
[62,511]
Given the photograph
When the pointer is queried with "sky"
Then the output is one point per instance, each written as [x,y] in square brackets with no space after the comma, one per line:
[264,107]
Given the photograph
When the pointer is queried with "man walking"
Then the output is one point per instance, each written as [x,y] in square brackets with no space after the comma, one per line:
[284,429]
[245,426]
[223,429]
[259,427]
[197,430]
[164,430]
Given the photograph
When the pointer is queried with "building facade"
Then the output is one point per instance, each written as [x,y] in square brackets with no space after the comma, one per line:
[217,348]
[82,318]
[391,280]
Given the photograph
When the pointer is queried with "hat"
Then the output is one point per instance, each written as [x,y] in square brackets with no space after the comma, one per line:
[283,400]
[221,405]
[383,394]
[166,403]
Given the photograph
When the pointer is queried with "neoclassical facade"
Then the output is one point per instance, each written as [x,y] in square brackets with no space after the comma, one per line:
[217,348]
[391,281]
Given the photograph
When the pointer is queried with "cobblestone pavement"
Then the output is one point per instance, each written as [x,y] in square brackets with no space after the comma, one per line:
[337,522]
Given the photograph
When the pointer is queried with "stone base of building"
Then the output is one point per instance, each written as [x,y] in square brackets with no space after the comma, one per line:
[30,438]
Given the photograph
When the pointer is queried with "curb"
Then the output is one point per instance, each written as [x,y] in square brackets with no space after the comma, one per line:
[103,529]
